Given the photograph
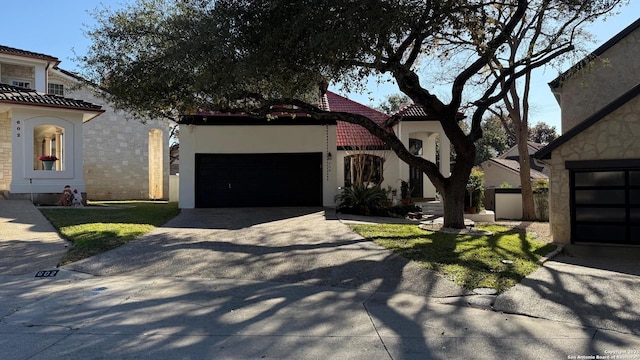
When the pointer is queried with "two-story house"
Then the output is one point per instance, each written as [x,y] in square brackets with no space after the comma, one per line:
[103,153]
[595,163]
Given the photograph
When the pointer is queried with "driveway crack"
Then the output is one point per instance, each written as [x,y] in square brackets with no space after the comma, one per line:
[364,305]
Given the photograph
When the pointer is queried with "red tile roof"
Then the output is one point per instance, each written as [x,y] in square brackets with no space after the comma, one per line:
[17,95]
[351,135]
[413,111]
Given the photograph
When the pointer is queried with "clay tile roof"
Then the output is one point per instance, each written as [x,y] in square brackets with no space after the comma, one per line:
[414,111]
[13,51]
[351,135]
[17,95]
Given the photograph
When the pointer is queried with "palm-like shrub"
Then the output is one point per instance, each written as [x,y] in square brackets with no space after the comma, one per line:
[360,199]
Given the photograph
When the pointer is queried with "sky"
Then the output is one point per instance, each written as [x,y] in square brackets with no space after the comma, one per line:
[56,28]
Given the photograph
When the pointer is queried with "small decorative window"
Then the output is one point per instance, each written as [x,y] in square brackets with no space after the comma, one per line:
[55,89]
[22,84]
[363,169]
[48,148]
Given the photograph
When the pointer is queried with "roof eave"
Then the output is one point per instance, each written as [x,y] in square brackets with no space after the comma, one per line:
[63,107]
[557,82]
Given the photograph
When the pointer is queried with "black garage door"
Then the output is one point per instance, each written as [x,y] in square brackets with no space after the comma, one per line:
[244,180]
[606,206]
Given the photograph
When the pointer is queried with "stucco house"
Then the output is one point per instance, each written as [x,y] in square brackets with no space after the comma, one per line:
[595,163]
[296,160]
[506,168]
[103,153]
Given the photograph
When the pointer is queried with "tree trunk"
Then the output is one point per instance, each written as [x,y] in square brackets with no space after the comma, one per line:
[454,191]
[528,206]
[453,203]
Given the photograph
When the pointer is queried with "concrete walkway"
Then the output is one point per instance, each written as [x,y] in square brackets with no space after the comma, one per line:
[216,285]
[28,242]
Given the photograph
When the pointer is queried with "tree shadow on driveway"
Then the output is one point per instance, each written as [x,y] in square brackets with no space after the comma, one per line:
[593,286]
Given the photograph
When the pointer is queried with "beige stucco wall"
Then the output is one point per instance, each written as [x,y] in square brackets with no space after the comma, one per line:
[26,176]
[5,150]
[116,152]
[495,175]
[613,137]
[602,81]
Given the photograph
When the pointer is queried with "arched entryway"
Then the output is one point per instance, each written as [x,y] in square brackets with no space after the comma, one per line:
[156,165]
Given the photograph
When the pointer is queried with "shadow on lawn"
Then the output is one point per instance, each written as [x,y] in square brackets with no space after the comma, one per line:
[498,261]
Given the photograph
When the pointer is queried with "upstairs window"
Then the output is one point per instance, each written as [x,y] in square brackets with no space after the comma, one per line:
[22,84]
[55,89]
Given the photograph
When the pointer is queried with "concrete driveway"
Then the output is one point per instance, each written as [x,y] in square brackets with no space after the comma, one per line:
[282,284]
[289,245]
[588,285]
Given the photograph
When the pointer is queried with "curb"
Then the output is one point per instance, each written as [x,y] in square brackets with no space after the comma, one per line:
[551,255]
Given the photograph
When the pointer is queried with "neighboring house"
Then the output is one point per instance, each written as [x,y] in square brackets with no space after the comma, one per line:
[505,169]
[296,160]
[46,110]
[595,164]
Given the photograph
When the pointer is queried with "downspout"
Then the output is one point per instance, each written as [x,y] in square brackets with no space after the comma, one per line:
[46,77]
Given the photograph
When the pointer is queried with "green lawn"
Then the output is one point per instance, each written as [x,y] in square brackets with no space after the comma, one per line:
[498,261]
[96,230]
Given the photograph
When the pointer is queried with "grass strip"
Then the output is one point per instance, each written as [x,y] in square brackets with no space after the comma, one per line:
[498,261]
[93,230]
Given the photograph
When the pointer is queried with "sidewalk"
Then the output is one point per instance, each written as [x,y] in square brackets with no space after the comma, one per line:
[28,242]
[74,316]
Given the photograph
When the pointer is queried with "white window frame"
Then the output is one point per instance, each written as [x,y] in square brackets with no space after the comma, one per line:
[21,83]
[58,89]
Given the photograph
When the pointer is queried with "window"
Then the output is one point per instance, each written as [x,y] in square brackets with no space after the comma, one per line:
[48,141]
[22,84]
[55,89]
[363,169]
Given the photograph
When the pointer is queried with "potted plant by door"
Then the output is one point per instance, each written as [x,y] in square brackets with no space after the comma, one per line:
[405,192]
[48,161]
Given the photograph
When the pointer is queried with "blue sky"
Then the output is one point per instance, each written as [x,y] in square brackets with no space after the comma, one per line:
[56,28]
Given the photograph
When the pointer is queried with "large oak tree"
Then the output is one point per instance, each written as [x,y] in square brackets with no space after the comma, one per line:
[166,58]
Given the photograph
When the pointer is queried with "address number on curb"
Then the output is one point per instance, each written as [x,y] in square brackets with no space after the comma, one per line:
[47,273]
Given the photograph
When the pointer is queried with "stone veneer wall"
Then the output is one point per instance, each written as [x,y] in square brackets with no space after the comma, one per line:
[21,72]
[613,137]
[116,152]
[5,151]
[602,81]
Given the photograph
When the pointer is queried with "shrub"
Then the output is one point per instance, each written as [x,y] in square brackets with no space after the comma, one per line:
[541,198]
[475,187]
[362,200]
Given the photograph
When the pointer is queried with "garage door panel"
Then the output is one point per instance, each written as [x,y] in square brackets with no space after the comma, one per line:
[600,233]
[599,214]
[244,180]
[605,206]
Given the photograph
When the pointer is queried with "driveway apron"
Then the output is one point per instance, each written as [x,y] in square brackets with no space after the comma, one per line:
[590,285]
[289,245]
